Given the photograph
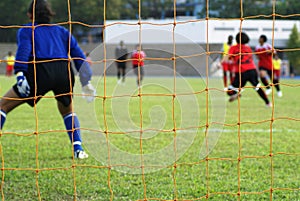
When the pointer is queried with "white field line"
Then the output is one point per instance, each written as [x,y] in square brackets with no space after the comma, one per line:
[233,130]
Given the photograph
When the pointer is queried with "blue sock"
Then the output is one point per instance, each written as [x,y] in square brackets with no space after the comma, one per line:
[72,123]
[3,118]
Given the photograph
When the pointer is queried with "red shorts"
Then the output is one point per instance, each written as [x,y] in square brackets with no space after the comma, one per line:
[276,74]
[9,68]
[227,66]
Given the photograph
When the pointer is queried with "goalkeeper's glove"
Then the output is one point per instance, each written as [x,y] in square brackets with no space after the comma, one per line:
[22,85]
[89,92]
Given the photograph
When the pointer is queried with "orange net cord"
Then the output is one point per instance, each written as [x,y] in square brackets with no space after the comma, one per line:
[104,105]
[206,103]
[173,103]
[175,127]
[35,109]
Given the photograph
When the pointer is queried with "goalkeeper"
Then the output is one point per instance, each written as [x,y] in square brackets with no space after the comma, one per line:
[43,65]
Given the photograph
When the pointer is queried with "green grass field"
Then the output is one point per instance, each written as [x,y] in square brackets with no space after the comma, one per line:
[246,161]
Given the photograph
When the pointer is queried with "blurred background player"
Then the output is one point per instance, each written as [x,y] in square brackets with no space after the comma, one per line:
[10,61]
[265,63]
[277,73]
[227,63]
[51,72]
[241,54]
[292,71]
[121,55]
[138,56]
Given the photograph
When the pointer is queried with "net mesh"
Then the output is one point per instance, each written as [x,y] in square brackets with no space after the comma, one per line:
[186,179]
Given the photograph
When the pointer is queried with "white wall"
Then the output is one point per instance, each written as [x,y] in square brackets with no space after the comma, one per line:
[254,28]
[161,31]
[154,32]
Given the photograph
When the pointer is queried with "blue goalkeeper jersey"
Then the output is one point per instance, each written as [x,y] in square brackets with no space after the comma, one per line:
[50,42]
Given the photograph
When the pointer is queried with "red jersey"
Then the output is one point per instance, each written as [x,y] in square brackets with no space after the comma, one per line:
[138,58]
[245,59]
[264,55]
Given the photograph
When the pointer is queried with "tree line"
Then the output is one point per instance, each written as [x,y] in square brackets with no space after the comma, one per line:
[284,9]
[92,11]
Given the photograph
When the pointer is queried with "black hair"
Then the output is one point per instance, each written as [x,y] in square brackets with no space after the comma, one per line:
[230,38]
[264,37]
[138,46]
[43,12]
[244,38]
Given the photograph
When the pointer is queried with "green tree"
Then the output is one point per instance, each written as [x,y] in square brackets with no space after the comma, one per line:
[234,9]
[12,14]
[156,9]
[294,43]
[92,11]
[288,7]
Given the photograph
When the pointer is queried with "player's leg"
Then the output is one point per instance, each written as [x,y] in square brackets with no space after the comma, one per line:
[123,73]
[240,80]
[254,81]
[225,79]
[119,72]
[225,70]
[7,103]
[264,80]
[142,73]
[11,70]
[233,89]
[12,98]
[2,118]
[72,125]
[276,82]
[122,67]
[231,74]
[7,71]
[64,104]
[137,73]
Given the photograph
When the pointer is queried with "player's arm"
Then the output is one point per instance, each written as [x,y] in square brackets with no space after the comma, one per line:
[84,69]
[273,51]
[24,50]
[81,65]
[23,54]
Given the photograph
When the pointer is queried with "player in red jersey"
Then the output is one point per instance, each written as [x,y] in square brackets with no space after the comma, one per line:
[226,62]
[138,56]
[241,55]
[264,54]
